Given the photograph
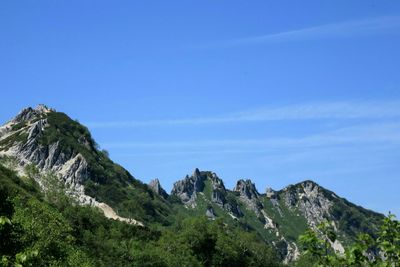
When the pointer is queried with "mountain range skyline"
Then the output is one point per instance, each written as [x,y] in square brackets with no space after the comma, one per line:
[275,92]
[208,133]
[231,182]
[51,152]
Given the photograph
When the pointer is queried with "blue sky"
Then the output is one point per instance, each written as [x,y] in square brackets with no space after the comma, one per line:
[275,91]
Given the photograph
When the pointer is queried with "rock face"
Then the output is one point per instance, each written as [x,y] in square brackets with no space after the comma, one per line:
[188,188]
[287,250]
[31,123]
[314,203]
[219,196]
[156,187]
[310,200]
[249,195]
[218,190]
[271,194]
[210,213]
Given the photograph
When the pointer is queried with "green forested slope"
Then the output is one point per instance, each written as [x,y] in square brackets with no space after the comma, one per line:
[35,231]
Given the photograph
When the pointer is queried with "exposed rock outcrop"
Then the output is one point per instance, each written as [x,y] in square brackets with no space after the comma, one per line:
[270,193]
[20,139]
[219,196]
[188,188]
[218,190]
[110,213]
[157,188]
[29,113]
[210,213]
[310,200]
[248,194]
[71,167]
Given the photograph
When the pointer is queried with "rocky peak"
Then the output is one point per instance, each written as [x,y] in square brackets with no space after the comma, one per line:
[188,188]
[308,183]
[216,181]
[41,108]
[218,190]
[310,199]
[28,114]
[247,189]
[196,173]
[25,115]
[22,140]
[248,194]
[270,193]
[28,122]
[157,188]
[34,138]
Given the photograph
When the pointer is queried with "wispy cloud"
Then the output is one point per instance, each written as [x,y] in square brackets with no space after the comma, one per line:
[328,110]
[373,133]
[387,24]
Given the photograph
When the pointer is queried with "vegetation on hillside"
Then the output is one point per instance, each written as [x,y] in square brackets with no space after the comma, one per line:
[380,250]
[49,229]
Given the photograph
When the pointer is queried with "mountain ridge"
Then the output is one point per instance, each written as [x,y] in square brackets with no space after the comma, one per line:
[53,142]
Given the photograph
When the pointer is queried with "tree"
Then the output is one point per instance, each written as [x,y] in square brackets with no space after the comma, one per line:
[365,251]
[388,241]
[318,243]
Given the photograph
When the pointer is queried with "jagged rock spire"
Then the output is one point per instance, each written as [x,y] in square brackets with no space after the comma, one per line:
[30,113]
[187,188]
[218,190]
[196,173]
[249,195]
[25,115]
[157,188]
[246,188]
[42,108]
[270,193]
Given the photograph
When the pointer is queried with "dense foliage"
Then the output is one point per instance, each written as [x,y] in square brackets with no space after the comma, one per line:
[380,250]
[48,229]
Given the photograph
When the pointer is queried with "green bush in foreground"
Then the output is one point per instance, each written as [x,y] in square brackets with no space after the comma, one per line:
[384,250]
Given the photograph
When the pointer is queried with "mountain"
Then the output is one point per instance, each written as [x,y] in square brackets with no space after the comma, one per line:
[53,142]
[50,142]
[279,217]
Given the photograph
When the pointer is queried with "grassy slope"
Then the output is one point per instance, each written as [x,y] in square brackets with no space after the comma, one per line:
[291,224]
